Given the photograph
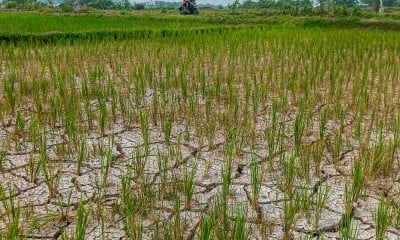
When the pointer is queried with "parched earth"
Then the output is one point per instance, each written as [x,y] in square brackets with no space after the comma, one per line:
[55,162]
[43,211]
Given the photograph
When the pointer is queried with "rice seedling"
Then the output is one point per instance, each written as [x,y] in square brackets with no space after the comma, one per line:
[163,164]
[256,179]
[50,173]
[177,224]
[33,168]
[144,126]
[193,118]
[290,209]
[138,163]
[166,125]
[239,230]
[82,221]
[105,164]
[132,220]
[9,90]
[347,229]
[317,153]
[359,179]
[396,215]
[2,159]
[319,201]
[20,123]
[13,213]
[103,112]
[383,218]
[304,164]
[81,156]
[188,186]
[322,123]
[206,225]
[288,175]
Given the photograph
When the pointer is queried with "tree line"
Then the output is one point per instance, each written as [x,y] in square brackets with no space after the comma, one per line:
[294,7]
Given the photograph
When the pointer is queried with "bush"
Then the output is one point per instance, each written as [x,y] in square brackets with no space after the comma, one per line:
[67,7]
[357,11]
[340,11]
[10,4]
[139,6]
[307,10]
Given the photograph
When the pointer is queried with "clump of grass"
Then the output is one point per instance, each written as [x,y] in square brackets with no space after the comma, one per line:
[81,156]
[288,174]
[298,129]
[256,179]
[144,126]
[317,154]
[139,163]
[206,225]
[322,124]
[13,213]
[10,91]
[188,186]
[2,159]
[239,230]
[166,125]
[347,229]
[51,173]
[383,218]
[19,123]
[360,172]
[33,168]
[290,209]
[396,215]
[82,221]
[319,201]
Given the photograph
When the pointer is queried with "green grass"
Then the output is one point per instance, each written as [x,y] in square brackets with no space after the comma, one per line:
[96,25]
[39,23]
[199,134]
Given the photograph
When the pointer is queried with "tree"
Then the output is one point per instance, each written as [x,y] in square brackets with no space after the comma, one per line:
[377,5]
[346,3]
[234,5]
[249,4]
[265,3]
[127,4]
[139,6]
[68,5]
[391,3]
[22,4]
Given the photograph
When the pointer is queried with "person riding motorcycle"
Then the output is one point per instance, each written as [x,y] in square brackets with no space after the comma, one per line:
[186,4]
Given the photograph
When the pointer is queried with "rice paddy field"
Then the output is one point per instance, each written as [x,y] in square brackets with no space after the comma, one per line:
[257,132]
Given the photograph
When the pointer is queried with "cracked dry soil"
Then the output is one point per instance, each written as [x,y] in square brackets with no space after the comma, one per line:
[46,186]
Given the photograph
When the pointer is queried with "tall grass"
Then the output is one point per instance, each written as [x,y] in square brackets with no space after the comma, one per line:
[172,132]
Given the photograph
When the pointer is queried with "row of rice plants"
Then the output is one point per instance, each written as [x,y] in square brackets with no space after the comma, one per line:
[290,107]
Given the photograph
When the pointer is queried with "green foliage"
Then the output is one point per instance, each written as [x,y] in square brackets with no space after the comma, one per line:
[383,218]
[67,6]
[234,5]
[82,221]
[22,4]
[139,6]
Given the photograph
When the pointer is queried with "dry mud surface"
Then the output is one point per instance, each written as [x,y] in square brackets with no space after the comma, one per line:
[34,197]
[240,109]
